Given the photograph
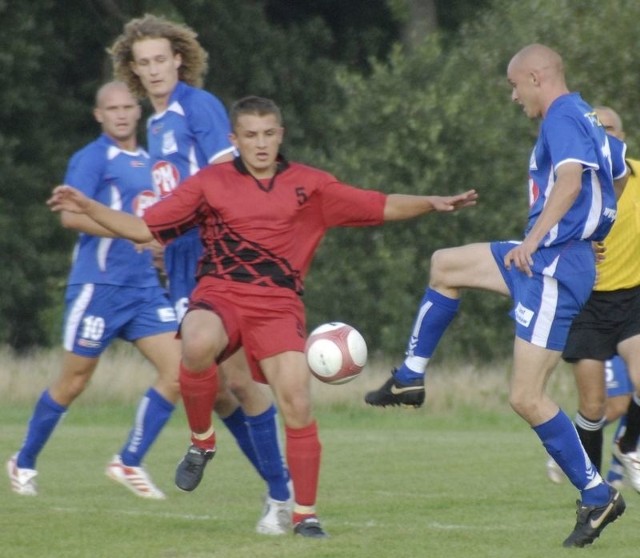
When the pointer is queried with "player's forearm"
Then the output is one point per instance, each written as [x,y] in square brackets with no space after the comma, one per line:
[84,224]
[404,206]
[119,223]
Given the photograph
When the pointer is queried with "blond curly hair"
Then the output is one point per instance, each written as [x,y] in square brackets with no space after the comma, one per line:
[183,41]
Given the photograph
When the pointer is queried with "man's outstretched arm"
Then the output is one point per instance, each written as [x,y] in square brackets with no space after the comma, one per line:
[404,206]
[124,225]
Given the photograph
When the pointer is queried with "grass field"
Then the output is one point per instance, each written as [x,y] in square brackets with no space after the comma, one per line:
[462,477]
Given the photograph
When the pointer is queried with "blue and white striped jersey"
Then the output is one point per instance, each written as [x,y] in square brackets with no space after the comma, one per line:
[122,181]
[192,132]
[571,132]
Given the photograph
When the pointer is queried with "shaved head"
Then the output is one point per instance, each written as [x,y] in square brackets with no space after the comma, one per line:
[536,74]
[539,57]
[118,112]
[107,89]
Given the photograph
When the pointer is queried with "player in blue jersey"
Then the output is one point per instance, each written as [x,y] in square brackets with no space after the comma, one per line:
[549,274]
[113,292]
[163,61]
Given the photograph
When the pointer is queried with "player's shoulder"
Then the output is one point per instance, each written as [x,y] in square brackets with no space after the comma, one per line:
[303,169]
[570,115]
[94,152]
[193,98]
[217,169]
[569,106]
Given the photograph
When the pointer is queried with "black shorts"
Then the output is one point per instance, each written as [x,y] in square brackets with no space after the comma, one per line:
[607,319]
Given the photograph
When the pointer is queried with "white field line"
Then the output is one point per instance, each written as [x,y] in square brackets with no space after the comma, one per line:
[139,513]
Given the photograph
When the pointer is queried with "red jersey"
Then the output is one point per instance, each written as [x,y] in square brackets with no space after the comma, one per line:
[263,232]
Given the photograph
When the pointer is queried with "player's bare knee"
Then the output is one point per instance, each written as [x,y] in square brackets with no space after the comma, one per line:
[197,354]
[169,387]
[295,409]
[69,388]
[523,405]
[592,410]
[438,268]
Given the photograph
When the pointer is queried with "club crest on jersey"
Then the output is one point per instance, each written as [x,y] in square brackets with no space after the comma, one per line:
[169,143]
[142,201]
[165,177]
[534,192]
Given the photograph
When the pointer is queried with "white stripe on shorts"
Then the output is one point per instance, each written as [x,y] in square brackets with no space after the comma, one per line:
[74,317]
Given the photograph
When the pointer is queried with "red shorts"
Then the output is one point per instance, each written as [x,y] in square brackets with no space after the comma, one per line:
[265,321]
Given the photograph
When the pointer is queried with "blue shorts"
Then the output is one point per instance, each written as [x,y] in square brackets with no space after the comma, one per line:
[544,305]
[617,377]
[181,262]
[95,315]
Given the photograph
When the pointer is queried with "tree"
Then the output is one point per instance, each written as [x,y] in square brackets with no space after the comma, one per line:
[431,118]
[29,153]
[436,119]
[53,59]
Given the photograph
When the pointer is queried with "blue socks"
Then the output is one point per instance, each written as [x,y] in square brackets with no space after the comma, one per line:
[561,441]
[264,434]
[153,413]
[236,423]
[434,316]
[45,418]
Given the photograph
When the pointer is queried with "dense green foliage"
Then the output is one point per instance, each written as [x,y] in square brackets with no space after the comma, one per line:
[54,57]
[433,119]
[440,121]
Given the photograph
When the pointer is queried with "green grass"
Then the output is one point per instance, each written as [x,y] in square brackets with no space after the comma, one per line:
[395,483]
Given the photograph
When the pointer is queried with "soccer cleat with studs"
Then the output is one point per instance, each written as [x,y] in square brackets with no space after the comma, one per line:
[310,527]
[191,468]
[135,479]
[591,520]
[631,463]
[23,481]
[393,393]
[276,518]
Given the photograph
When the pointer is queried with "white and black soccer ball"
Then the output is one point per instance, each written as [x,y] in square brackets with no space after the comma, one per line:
[336,353]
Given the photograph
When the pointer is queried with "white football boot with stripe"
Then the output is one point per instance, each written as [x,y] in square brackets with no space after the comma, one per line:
[23,481]
[135,479]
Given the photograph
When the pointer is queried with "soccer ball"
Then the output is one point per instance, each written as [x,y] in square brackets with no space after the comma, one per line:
[336,353]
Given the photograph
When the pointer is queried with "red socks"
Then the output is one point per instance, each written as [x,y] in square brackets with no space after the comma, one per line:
[303,459]
[199,391]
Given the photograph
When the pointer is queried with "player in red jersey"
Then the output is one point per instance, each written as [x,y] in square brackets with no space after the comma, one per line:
[261,219]
[163,61]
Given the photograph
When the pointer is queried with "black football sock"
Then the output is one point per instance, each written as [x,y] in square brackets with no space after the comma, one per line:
[591,436]
[629,440]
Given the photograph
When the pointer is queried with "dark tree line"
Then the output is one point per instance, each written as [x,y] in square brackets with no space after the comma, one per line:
[401,95]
